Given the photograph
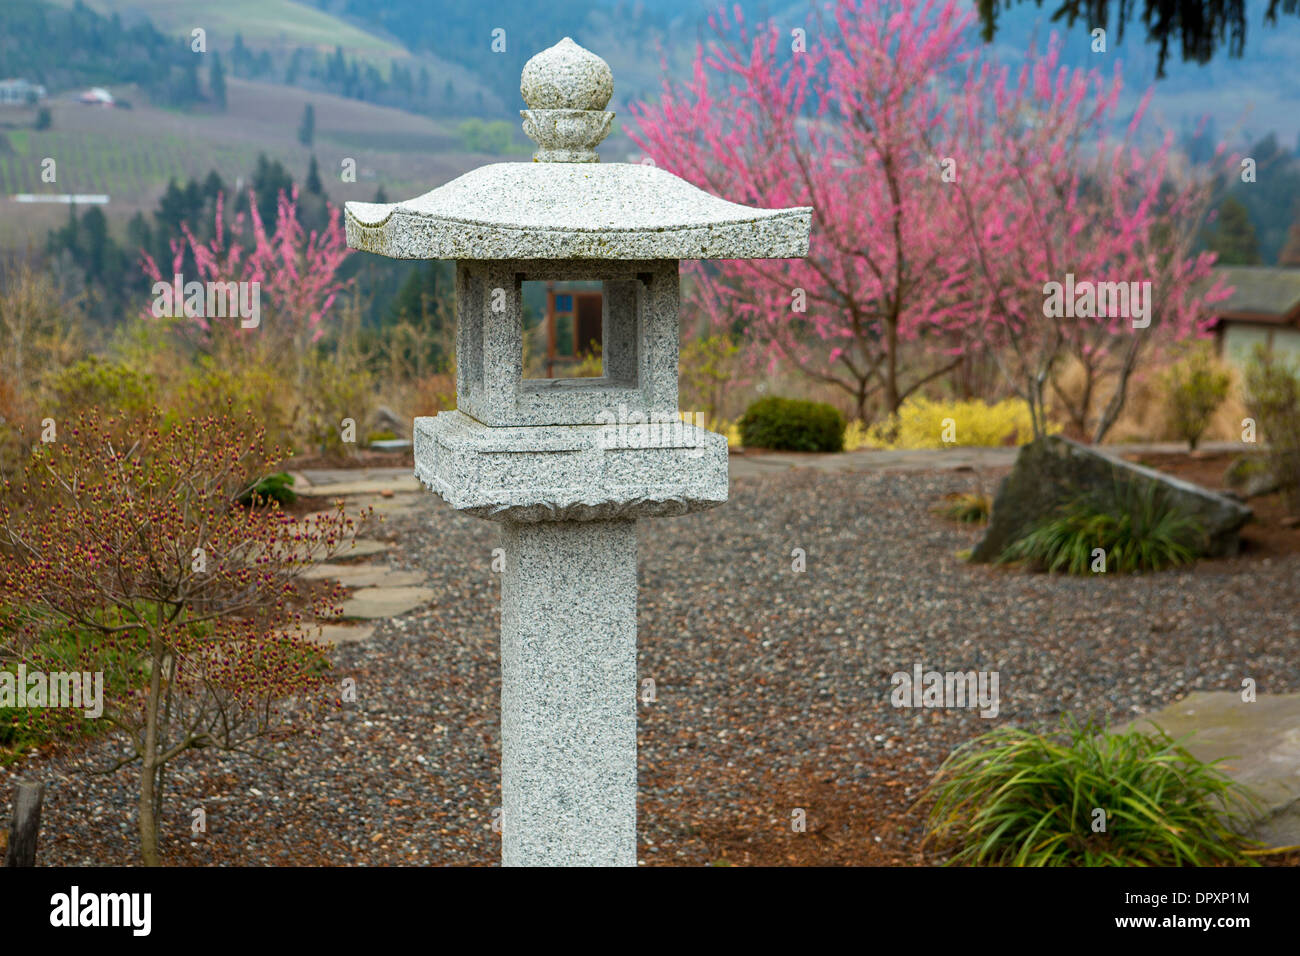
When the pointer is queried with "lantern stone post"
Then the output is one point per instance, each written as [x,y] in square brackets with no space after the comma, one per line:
[568,466]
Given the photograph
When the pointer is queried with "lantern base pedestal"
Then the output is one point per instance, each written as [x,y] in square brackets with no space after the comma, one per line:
[568,693]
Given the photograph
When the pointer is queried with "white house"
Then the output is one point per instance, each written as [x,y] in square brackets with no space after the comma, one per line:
[18,92]
[1264,309]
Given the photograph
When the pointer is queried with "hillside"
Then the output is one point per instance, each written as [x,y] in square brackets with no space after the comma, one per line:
[131,154]
[262,23]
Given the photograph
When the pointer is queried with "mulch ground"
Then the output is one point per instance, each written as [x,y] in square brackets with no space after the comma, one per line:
[772,688]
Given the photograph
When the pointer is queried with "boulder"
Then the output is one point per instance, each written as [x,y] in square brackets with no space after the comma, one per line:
[1050,471]
[1250,476]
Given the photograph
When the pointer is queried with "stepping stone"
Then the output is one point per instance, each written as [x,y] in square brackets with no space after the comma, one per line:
[360,548]
[1261,741]
[375,603]
[406,483]
[364,575]
[336,634]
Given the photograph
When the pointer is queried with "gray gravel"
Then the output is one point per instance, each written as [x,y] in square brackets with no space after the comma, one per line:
[769,682]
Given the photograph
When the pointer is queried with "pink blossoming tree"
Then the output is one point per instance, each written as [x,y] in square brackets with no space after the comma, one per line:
[296,272]
[947,192]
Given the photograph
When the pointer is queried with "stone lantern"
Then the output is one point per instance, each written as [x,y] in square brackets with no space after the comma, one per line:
[567,466]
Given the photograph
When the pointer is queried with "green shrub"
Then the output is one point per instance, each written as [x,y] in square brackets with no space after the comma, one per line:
[277,487]
[116,389]
[334,389]
[1195,387]
[1016,798]
[791,424]
[1273,397]
[1136,524]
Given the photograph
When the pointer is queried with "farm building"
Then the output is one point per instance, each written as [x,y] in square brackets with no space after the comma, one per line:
[18,92]
[1264,309]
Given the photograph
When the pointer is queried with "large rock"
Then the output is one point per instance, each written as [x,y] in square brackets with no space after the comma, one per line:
[1259,743]
[1051,471]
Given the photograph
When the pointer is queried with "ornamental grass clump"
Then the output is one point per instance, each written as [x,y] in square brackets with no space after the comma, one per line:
[1124,527]
[970,507]
[124,552]
[1086,797]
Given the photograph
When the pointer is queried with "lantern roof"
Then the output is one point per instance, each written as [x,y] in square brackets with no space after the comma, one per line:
[566,204]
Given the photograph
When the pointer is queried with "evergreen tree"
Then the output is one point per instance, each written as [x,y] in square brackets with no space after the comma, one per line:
[307,128]
[213,186]
[94,231]
[269,180]
[313,178]
[1234,236]
[295,67]
[138,236]
[1290,255]
[217,81]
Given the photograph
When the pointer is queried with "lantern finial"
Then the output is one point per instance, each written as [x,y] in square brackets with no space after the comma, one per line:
[566,88]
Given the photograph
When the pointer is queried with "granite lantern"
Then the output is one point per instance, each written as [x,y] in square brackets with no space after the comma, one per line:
[568,466]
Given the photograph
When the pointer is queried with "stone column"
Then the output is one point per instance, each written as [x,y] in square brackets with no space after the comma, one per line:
[568,693]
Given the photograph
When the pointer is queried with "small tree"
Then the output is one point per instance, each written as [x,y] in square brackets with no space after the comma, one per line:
[708,368]
[1273,398]
[1196,386]
[854,127]
[295,271]
[123,551]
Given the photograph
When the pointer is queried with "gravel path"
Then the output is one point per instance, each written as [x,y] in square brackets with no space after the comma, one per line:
[772,687]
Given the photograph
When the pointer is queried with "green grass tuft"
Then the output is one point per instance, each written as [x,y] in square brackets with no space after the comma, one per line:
[1136,525]
[1016,798]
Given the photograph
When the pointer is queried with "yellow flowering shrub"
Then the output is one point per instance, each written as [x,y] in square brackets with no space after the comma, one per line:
[924,423]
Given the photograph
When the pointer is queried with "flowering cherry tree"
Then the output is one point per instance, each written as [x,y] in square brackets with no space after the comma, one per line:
[296,270]
[1082,244]
[947,192]
[847,127]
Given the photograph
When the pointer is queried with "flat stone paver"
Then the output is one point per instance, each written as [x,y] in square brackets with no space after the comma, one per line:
[396,480]
[365,575]
[1261,741]
[360,548]
[865,460]
[336,634]
[397,504]
[376,603]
